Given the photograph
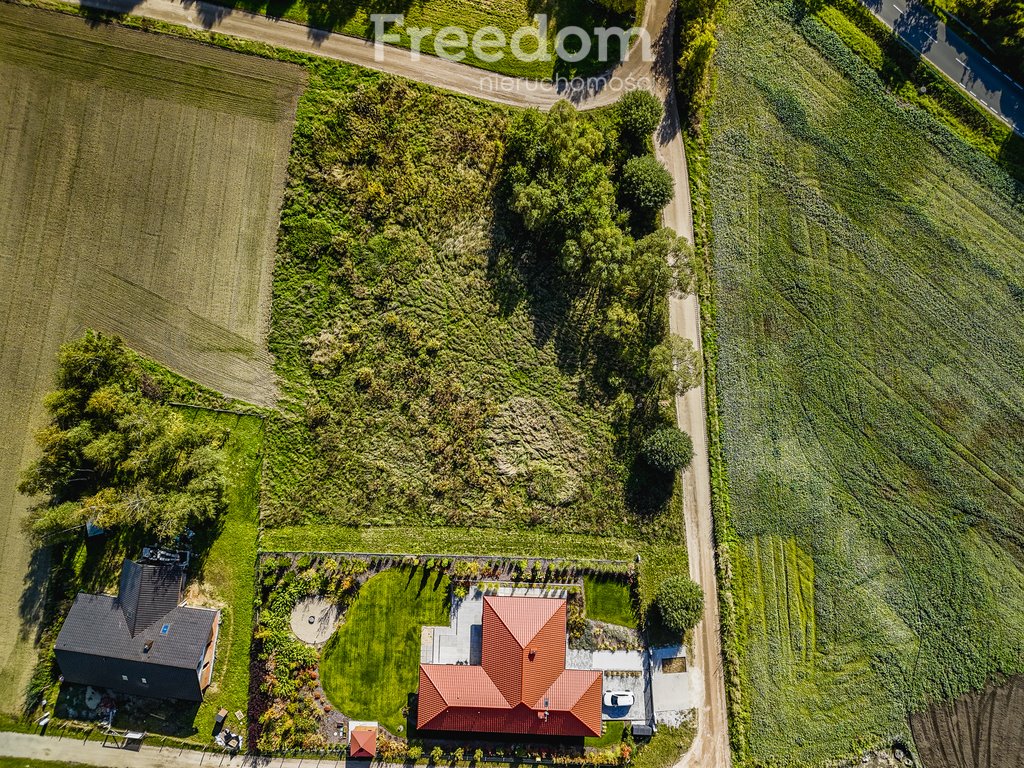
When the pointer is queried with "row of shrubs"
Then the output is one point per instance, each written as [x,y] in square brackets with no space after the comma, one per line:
[525,569]
[393,751]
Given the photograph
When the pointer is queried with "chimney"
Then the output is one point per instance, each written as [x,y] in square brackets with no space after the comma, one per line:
[147,646]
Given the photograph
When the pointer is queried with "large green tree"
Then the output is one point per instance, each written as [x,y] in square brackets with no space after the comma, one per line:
[680,604]
[111,455]
[646,185]
[561,186]
[639,114]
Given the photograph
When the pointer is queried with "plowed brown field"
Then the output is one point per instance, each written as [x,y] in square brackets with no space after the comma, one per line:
[980,730]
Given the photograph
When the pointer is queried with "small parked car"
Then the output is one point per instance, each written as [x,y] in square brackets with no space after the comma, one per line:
[618,699]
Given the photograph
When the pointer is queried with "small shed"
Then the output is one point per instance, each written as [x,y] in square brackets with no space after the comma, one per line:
[641,731]
[362,740]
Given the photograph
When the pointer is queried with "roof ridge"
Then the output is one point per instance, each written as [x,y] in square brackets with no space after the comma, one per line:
[497,614]
[558,603]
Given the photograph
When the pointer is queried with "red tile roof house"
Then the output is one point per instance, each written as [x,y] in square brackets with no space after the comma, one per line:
[521,685]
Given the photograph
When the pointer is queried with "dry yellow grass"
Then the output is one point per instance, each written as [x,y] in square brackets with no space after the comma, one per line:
[140,181]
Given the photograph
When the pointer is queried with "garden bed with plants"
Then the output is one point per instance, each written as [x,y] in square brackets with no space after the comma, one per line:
[303,696]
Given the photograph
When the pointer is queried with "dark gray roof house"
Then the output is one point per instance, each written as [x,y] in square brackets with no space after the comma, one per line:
[143,641]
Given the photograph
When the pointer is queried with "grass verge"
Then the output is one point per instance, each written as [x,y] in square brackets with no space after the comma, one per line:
[229,566]
[508,16]
[666,746]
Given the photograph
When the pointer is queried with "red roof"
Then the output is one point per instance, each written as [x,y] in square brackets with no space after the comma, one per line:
[362,741]
[521,684]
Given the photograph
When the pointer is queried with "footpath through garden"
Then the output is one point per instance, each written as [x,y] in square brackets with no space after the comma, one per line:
[711,745]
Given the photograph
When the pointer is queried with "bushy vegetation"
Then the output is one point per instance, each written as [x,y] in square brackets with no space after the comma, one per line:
[113,455]
[639,114]
[869,315]
[680,604]
[646,185]
[439,366]
[668,449]
[695,27]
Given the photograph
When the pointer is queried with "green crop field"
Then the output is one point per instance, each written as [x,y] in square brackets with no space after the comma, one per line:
[870,317]
[140,180]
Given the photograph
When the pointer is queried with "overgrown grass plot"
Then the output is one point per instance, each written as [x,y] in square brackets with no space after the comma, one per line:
[435,371]
[371,664]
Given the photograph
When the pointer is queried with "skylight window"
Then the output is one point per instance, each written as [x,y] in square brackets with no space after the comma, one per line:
[165,629]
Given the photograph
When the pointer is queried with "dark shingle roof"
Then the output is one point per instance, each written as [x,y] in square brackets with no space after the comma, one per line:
[148,592]
[102,625]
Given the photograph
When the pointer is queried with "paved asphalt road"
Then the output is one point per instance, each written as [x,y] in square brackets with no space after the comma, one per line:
[961,63]
[711,745]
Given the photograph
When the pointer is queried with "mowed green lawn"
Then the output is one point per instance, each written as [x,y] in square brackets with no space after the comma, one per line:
[370,665]
[140,179]
[608,600]
[871,326]
[229,562]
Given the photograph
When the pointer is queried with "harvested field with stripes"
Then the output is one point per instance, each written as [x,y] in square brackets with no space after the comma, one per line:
[140,183]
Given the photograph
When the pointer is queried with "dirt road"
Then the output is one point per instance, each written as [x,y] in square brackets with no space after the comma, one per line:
[711,747]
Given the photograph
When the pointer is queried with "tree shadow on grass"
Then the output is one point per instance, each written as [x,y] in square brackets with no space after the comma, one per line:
[33,603]
[648,490]
[1011,157]
[522,275]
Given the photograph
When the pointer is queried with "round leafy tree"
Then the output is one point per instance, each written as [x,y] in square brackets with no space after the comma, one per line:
[680,604]
[668,449]
[646,184]
[639,114]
